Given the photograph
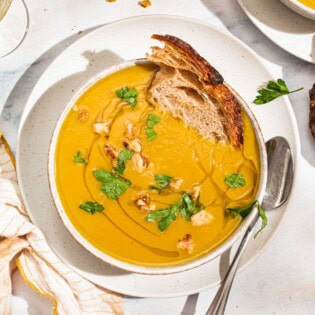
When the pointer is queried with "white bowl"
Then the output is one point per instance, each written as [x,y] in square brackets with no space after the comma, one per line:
[136,268]
[300,8]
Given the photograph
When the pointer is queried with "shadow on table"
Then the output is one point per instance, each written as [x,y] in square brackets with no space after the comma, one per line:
[14,106]
[240,26]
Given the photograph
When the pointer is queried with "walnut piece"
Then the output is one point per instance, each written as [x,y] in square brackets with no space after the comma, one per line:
[83,114]
[186,244]
[140,162]
[101,128]
[175,183]
[111,151]
[194,191]
[201,218]
[133,145]
[143,202]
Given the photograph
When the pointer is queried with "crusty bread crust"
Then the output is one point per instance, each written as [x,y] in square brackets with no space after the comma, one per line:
[180,55]
[209,74]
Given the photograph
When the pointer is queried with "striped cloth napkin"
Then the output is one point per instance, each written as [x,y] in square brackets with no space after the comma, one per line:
[24,244]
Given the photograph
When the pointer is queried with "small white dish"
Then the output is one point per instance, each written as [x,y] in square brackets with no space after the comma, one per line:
[300,8]
[85,59]
[289,30]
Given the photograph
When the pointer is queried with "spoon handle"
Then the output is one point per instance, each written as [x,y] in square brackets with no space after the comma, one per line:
[218,304]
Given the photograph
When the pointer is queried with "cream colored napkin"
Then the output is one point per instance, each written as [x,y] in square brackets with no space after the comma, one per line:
[23,242]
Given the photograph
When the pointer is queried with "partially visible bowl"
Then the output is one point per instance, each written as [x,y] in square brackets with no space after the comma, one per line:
[220,249]
[300,8]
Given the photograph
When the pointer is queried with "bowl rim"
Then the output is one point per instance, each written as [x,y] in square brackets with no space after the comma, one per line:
[112,261]
[300,8]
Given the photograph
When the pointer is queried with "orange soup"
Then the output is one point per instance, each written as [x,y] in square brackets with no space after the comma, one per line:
[140,185]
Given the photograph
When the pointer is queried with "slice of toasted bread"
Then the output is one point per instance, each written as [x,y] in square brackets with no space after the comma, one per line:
[191,89]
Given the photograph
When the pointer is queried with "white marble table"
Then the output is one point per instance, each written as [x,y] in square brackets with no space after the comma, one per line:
[282,279]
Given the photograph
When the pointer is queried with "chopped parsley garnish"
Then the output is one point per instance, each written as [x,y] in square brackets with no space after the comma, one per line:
[113,185]
[91,207]
[245,211]
[151,121]
[235,180]
[162,180]
[273,91]
[185,206]
[79,159]
[128,95]
[124,155]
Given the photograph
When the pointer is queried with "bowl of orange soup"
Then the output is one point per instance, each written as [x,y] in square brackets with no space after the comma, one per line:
[136,213]
[303,7]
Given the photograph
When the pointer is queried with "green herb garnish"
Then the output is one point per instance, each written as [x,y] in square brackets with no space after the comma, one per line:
[244,211]
[128,95]
[123,156]
[113,185]
[162,180]
[273,91]
[235,180]
[185,206]
[79,159]
[151,121]
[91,207]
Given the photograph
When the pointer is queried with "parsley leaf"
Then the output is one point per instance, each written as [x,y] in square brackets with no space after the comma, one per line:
[162,180]
[113,185]
[235,180]
[79,159]
[151,121]
[185,206]
[128,95]
[273,91]
[244,211]
[151,134]
[91,207]
[264,220]
[123,156]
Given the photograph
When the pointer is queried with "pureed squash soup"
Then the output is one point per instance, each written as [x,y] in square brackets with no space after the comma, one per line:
[140,185]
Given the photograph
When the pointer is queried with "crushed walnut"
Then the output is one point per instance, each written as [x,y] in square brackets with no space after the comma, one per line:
[201,218]
[130,130]
[186,244]
[194,191]
[175,183]
[111,151]
[143,202]
[83,114]
[133,145]
[101,128]
[145,3]
[140,162]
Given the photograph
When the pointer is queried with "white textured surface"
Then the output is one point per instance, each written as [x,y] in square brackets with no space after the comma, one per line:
[282,280]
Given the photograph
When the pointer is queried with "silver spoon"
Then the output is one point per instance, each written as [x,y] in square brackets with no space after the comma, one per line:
[279,183]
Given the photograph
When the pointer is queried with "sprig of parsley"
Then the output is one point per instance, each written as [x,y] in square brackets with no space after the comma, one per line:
[113,185]
[124,155]
[185,206]
[162,180]
[128,95]
[151,121]
[91,207]
[235,180]
[79,159]
[245,211]
[273,91]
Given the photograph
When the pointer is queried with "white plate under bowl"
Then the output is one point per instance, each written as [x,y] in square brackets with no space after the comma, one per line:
[286,28]
[104,47]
